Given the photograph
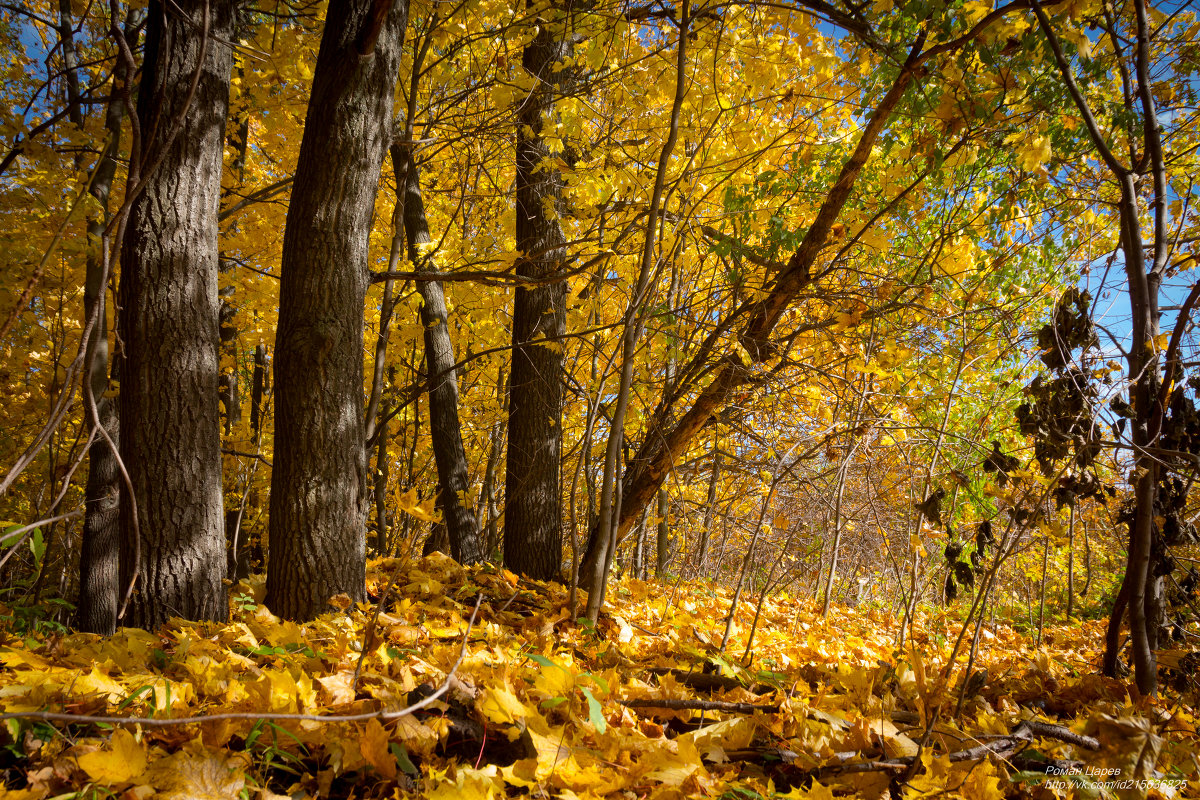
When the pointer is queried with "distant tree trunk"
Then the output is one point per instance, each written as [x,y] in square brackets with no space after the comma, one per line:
[170,420]
[1071,566]
[445,433]
[99,555]
[662,552]
[533,494]
[227,388]
[257,389]
[382,473]
[488,494]
[710,511]
[319,484]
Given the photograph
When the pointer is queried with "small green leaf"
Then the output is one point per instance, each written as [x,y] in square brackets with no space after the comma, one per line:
[595,712]
[402,759]
[553,702]
[600,682]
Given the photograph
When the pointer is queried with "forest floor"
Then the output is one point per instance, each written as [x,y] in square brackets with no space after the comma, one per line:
[642,705]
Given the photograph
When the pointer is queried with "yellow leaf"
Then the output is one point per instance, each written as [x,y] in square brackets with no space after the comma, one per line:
[374,747]
[675,768]
[197,773]
[124,760]
[96,682]
[425,509]
[501,705]
[815,792]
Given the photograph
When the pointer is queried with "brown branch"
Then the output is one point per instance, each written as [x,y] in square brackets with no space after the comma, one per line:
[677,704]
[1023,735]
[241,454]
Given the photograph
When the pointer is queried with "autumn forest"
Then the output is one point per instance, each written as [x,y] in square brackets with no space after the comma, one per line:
[610,399]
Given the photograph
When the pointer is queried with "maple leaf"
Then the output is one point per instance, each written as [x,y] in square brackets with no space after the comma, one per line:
[197,773]
[119,762]
[374,745]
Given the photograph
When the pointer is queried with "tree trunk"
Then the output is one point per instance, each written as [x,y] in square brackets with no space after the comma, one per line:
[710,511]
[258,388]
[533,495]
[99,568]
[170,420]
[662,552]
[445,433]
[319,485]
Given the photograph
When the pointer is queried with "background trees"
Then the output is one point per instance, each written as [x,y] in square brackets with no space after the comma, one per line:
[799,325]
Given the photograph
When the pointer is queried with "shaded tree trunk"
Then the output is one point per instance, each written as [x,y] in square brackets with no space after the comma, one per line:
[170,420]
[532,489]
[257,390]
[445,432]
[99,568]
[320,489]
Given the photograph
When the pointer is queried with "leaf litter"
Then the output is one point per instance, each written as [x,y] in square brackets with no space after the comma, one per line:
[644,705]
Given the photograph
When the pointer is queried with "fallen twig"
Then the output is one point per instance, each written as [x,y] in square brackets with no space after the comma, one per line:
[1021,736]
[677,704]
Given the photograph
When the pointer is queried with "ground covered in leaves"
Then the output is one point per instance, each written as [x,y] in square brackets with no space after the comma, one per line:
[644,705]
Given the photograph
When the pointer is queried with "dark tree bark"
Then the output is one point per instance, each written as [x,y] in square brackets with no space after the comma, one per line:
[533,494]
[445,432]
[99,553]
[228,390]
[257,389]
[170,421]
[320,489]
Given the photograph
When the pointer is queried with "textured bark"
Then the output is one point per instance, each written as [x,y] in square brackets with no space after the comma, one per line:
[99,551]
[532,489]
[170,421]
[320,490]
[445,432]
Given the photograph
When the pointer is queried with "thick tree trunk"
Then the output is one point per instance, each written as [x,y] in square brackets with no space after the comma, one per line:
[320,490]
[170,421]
[533,494]
[445,432]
